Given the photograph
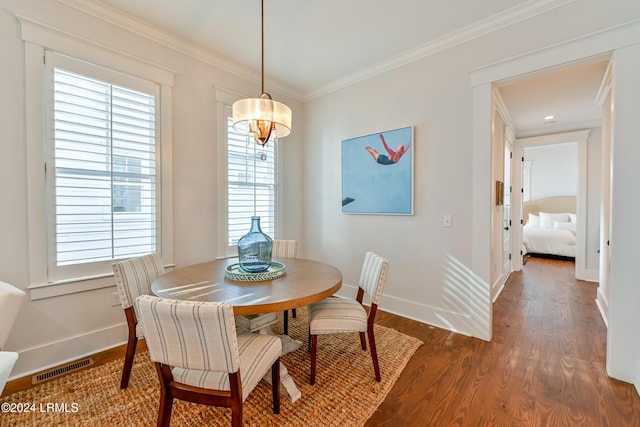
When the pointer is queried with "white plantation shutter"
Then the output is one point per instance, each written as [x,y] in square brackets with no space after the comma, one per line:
[242,196]
[101,167]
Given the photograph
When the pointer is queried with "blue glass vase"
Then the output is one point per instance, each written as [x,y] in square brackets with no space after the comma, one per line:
[254,249]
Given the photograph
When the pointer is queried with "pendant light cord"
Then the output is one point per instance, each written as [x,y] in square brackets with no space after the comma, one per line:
[262,38]
[262,81]
[254,181]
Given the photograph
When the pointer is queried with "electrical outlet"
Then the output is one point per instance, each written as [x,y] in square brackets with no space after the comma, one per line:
[447,220]
[115,299]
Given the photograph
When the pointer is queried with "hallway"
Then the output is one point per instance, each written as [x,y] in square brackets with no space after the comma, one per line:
[544,367]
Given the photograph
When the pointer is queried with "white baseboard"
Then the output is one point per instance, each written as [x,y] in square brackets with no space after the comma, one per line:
[603,307]
[589,275]
[459,323]
[36,359]
[497,288]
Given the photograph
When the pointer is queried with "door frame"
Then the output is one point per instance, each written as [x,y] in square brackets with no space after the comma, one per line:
[508,143]
[602,44]
[623,44]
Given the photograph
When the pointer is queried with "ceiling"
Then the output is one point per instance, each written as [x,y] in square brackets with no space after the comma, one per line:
[568,94]
[311,44]
[315,46]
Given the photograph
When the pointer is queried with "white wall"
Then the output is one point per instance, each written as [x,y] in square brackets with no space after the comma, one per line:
[554,170]
[52,330]
[429,264]
[623,341]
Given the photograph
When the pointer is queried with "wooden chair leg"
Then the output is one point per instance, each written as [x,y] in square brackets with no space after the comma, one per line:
[166,399]
[236,417]
[275,386]
[363,341]
[236,399]
[374,354]
[286,322]
[293,313]
[314,344]
[164,411]
[132,342]
[128,361]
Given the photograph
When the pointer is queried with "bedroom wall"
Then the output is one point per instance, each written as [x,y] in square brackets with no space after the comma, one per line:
[53,330]
[553,170]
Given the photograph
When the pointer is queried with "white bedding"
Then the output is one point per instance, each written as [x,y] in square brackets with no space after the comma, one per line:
[561,242]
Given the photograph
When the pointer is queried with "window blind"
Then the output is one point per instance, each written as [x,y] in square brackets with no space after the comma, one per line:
[104,155]
[251,184]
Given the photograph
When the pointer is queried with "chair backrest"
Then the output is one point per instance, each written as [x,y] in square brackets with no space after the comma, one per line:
[285,248]
[190,334]
[134,277]
[373,276]
[11,299]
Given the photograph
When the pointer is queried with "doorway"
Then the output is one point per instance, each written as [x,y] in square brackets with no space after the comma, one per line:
[623,356]
[556,106]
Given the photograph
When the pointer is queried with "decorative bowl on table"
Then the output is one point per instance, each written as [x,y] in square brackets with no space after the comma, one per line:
[235,272]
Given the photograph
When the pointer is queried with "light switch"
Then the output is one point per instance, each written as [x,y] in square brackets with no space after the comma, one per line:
[446,220]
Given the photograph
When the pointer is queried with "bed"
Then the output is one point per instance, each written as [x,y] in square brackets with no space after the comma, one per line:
[550,227]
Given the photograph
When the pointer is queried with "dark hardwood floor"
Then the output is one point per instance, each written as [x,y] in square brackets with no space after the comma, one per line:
[545,365]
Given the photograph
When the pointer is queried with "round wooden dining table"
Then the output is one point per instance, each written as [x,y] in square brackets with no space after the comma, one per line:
[304,282]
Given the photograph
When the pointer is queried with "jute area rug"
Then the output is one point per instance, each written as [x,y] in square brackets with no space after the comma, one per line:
[345,393]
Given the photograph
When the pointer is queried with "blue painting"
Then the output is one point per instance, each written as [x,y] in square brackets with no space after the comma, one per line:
[377,173]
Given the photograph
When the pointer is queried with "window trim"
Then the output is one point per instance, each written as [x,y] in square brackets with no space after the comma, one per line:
[38,38]
[224,99]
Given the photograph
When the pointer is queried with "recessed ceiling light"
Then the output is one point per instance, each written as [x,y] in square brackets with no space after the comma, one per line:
[549,118]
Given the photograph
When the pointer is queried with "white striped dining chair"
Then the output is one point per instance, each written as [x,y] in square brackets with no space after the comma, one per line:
[286,249]
[199,357]
[339,315]
[133,278]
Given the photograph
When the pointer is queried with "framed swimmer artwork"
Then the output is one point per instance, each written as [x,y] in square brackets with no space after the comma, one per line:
[377,173]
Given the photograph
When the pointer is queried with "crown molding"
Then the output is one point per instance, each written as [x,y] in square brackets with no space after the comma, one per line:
[165,38]
[142,28]
[478,29]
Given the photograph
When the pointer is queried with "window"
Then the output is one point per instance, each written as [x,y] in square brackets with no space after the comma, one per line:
[102,64]
[251,184]
[101,166]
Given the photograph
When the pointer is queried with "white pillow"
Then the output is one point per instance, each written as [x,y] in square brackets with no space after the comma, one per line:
[569,226]
[572,217]
[534,220]
[547,219]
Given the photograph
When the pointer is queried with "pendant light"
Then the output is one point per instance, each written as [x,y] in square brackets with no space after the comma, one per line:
[262,116]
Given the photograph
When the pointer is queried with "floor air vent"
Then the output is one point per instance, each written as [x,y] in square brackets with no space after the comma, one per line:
[61,370]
